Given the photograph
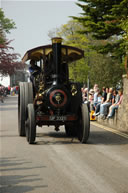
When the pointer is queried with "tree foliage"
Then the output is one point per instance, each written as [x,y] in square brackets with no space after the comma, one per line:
[8,59]
[107,23]
[103,19]
[5,26]
[105,71]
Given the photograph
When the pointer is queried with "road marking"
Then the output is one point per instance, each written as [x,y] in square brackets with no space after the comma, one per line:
[110,129]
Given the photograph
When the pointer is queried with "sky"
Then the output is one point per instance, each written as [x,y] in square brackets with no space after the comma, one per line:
[34,19]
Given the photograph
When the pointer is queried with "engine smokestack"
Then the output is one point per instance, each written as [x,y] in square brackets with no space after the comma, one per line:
[56,47]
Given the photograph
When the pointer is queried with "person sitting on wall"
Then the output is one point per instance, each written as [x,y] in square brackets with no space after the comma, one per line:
[34,70]
[115,106]
[104,97]
[96,97]
[99,102]
[104,107]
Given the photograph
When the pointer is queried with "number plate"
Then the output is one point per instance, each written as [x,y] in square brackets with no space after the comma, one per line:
[57,118]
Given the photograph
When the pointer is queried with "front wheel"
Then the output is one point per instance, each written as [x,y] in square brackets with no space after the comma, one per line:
[31,124]
[83,129]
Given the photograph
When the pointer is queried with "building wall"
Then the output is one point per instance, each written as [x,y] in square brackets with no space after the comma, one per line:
[19,76]
[122,114]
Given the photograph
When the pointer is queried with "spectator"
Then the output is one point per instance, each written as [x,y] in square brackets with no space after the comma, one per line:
[96,97]
[91,95]
[95,88]
[82,89]
[2,93]
[107,90]
[103,99]
[17,88]
[115,106]
[91,99]
[99,101]
[9,89]
[5,91]
[14,89]
[84,94]
[99,97]
[106,104]
[104,94]
[114,95]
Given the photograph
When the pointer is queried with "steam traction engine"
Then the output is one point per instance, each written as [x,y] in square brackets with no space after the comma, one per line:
[51,98]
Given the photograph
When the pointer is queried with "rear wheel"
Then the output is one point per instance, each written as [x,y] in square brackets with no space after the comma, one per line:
[28,95]
[31,124]
[21,110]
[83,129]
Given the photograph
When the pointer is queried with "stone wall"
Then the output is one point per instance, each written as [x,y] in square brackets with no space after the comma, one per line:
[120,120]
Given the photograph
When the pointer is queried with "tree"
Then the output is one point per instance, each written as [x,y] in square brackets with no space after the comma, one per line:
[105,71]
[5,26]
[8,59]
[103,19]
[106,21]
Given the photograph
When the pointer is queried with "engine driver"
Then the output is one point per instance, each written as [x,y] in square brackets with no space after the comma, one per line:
[34,70]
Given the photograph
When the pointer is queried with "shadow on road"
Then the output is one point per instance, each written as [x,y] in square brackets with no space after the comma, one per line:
[17,183]
[96,137]
[106,138]
[55,138]
[53,134]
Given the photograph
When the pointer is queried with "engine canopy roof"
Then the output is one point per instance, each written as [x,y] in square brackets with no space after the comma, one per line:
[68,53]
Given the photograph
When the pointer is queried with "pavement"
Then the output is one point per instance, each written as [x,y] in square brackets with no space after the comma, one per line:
[57,164]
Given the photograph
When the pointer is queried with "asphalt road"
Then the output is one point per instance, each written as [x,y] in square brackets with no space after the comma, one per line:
[56,164]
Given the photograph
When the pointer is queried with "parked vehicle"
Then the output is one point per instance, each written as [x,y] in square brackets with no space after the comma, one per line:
[52,98]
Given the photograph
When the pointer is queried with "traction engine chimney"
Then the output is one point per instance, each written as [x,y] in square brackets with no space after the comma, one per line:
[56,47]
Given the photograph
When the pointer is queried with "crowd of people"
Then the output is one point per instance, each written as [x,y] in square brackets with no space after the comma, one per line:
[4,91]
[104,102]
